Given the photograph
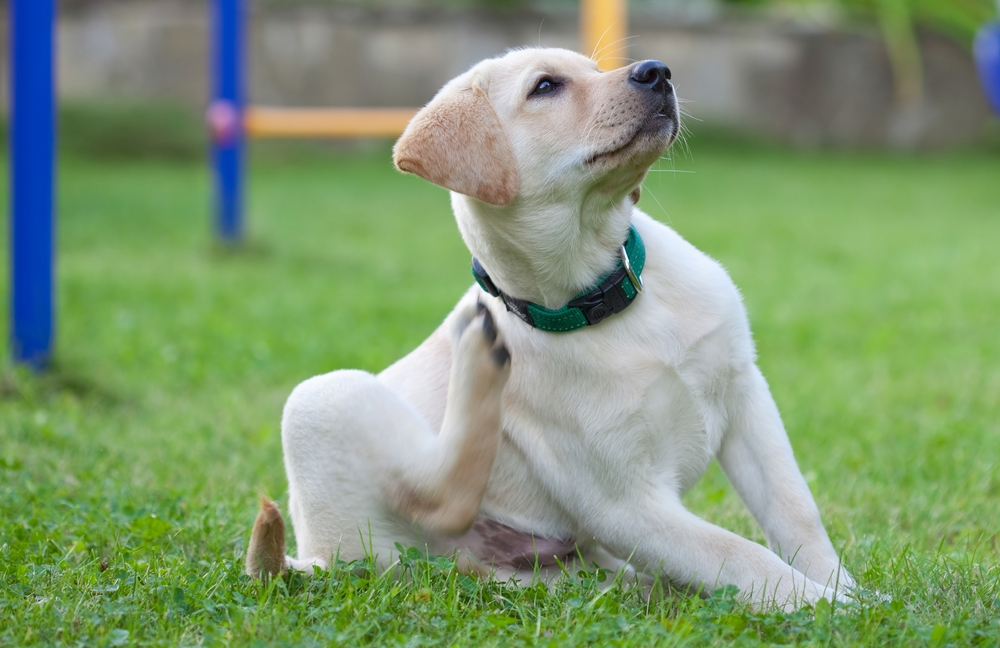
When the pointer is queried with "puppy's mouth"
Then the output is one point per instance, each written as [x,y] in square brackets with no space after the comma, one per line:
[658,131]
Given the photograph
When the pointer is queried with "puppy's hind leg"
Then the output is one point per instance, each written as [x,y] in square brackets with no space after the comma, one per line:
[365,468]
[442,491]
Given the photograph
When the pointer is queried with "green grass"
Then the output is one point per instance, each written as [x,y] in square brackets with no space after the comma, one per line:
[129,473]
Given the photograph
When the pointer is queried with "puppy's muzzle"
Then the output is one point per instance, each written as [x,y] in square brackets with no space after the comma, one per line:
[653,77]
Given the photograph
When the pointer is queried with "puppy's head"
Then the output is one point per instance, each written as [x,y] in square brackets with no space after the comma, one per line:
[542,124]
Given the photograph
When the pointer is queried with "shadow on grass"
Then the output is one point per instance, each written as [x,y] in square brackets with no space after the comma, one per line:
[249,249]
[26,385]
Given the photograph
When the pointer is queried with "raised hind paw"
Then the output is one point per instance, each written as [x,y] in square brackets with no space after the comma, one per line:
[479,349]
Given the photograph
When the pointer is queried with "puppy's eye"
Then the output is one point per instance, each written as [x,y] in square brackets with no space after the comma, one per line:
[545,85]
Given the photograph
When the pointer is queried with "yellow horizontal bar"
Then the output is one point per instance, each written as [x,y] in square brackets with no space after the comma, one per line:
[261,121]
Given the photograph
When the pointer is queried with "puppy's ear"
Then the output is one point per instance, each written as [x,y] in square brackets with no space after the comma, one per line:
[636,195]
[457,142]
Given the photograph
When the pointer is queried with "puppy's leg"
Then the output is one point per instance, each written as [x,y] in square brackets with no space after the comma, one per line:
[757,457]
[442,490]
[365,470]
[659,535]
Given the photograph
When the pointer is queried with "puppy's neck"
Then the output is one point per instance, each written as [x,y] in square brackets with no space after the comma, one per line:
[545,253]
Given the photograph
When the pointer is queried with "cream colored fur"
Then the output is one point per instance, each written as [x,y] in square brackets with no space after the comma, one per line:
[593,434]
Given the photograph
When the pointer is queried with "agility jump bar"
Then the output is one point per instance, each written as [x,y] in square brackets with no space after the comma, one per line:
[232,120]
[264,121]
[603,27]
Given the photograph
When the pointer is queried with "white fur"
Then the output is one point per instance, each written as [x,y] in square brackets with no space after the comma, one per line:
[601,429]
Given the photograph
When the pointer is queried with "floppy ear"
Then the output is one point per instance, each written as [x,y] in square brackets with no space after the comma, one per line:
[457,142]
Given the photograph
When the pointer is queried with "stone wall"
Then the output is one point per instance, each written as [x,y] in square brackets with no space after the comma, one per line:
[807,86]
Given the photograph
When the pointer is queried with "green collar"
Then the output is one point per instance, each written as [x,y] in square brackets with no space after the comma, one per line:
[612,294]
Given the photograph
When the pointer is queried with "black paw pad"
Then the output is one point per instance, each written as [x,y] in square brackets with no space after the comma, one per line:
[501,355]
[489,327]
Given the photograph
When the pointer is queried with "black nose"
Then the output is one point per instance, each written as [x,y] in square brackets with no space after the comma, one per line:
[652,74]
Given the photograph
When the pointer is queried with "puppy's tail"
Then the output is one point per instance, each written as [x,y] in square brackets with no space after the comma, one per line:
[266,553]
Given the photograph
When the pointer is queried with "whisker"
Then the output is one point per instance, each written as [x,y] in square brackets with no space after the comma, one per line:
[659,204]
[619,58]
[598,51]
[682,140]
[597,55]
[597,45]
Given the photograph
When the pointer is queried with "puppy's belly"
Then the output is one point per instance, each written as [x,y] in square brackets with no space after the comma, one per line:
[499,545]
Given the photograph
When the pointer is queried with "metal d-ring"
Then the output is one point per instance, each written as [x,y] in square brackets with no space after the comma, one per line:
[636,279]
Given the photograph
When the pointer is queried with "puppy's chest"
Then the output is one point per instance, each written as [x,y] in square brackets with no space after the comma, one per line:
[617,414]
[679,425]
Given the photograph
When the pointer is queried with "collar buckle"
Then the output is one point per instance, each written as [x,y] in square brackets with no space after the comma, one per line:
[627,265]
[605,300]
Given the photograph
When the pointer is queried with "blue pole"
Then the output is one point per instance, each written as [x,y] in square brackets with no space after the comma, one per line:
[32,179]
[225,117]
[987,53]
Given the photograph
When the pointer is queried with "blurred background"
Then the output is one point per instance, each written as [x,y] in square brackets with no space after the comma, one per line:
[812,73]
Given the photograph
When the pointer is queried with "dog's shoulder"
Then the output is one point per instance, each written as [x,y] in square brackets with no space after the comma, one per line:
[695,304]
[684,274]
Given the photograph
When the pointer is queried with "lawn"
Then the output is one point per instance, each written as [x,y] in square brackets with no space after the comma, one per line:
[129,473]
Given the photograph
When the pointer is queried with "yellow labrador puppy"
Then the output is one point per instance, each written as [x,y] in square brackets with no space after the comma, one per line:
[579,389]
